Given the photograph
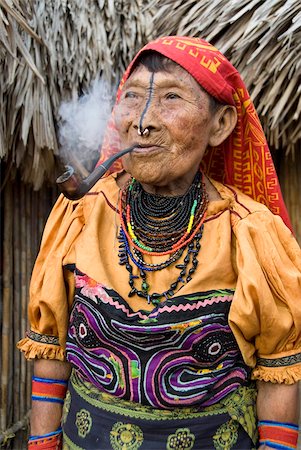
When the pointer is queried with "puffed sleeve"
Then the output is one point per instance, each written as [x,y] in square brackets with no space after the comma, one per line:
[52,285]
[266,312]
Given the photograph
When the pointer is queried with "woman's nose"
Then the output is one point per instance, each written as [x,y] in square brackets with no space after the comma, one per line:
[144,129]
[148,119]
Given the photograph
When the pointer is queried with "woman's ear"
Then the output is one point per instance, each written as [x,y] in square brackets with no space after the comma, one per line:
[225,120]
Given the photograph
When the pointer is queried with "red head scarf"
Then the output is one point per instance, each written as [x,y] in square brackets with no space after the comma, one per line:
[244,159]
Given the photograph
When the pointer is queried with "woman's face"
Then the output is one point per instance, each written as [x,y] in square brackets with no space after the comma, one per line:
[176,111]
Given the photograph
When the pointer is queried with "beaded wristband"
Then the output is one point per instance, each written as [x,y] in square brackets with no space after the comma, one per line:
[48,441]
[48,390]
[279,435]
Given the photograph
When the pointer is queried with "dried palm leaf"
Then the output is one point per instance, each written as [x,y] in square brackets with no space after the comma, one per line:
[15,58]
[77,40]
[16,11]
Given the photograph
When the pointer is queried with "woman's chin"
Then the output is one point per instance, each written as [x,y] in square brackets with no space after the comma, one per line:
[148,178]
[145,170]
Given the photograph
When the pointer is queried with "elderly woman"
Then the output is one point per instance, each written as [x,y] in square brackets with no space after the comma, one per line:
[169,298]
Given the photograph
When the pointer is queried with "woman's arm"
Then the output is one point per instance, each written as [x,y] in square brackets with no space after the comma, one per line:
[278,402]
[46,416]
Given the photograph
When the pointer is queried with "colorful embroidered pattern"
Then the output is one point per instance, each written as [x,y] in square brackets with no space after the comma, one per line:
[241,408]
[182,439]
[182,353]
[126,436]
[111,404]
[66,407]
[42,338]
[69,445]
[279,362]
[117,422]
[83,422]
[226,436]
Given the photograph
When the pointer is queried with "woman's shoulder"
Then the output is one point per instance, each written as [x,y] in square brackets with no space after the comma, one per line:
[240,202]
[105,192]
[249,216]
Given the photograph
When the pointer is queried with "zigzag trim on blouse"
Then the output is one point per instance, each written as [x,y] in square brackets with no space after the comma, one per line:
[42,338]
[279,362]
[193,306]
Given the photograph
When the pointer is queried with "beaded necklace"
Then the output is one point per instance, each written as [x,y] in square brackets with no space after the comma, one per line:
[168,222]
[170,225]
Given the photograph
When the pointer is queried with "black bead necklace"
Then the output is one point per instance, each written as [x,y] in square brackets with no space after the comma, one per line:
[184,277]
[159,221]
[164,223]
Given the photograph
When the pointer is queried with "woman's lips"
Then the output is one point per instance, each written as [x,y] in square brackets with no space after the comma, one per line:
[147,148]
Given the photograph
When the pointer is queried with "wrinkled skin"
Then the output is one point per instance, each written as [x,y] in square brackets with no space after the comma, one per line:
[177,112]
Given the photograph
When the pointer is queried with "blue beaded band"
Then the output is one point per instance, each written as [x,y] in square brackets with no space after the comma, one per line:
[41,436]
[274,445]
[47,399]
[49,380]
[48,390]
[278,424]
[278,435]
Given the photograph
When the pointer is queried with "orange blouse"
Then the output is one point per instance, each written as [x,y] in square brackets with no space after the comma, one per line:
[244,247]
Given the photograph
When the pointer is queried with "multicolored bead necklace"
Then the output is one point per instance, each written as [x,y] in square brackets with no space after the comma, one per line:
[170,225]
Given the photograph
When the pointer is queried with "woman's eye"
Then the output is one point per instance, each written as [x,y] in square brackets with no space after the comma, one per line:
[172,96]
[130,94]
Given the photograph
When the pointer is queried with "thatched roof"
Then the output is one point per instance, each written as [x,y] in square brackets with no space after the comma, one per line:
[53,50]
[77,40]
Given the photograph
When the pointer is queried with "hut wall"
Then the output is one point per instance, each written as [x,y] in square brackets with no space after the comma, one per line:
[290,180]
[23,216]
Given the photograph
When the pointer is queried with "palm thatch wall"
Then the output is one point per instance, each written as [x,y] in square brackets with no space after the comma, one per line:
[25,212]
[50,51]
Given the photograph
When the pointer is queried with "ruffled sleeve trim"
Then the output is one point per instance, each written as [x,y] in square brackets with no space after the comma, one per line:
[285,368]
[286,375]
[33,350]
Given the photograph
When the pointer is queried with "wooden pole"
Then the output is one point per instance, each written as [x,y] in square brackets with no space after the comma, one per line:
[17,302]
[7,302]
[290,169]
[29,263]
[23,308]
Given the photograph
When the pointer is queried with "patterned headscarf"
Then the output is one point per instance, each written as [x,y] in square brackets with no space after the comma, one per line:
[243,160]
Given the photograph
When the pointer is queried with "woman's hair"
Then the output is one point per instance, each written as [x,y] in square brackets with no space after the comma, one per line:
[155,62]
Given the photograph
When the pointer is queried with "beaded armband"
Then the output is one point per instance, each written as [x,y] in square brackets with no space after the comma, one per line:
[282,436]
[48,390]
[48,441]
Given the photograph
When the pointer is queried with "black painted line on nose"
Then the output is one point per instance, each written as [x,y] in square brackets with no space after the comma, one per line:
[148,102]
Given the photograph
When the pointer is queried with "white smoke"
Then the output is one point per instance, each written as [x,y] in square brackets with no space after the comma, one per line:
[82,122]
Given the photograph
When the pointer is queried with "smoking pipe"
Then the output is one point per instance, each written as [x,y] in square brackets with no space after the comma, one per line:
[74,187]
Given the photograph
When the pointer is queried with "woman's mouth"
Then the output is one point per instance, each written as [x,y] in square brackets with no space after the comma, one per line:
[147,148]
